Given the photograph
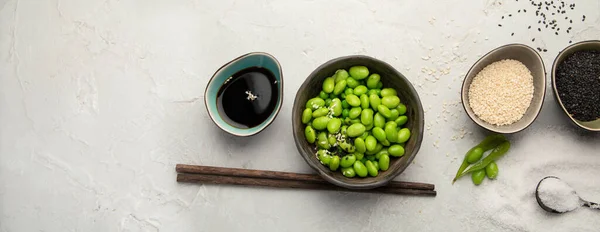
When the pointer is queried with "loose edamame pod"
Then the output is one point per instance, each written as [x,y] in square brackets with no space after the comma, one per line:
[371,169]
[359,72]
[373,80]
[384,162]
[328,85]
[334,163]
[494,155]
[474,155]
[339,87]
[320,123]
[306,115]
[478,177]
[310,134]
[348,172]
[360,90]
[360,169]
[360,145]
[491,171]
[490,142]
[355,130]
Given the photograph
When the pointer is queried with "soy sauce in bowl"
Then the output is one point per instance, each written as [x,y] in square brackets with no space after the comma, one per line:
[248,97]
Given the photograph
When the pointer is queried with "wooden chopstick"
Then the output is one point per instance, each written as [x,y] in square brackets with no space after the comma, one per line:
[286,183]
[274,175]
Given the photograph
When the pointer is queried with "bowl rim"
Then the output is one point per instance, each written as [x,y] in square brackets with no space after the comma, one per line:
[465,99]
[387,179]
[553,79]
[277,108]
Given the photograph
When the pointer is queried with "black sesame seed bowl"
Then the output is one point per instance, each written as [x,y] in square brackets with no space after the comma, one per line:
[578,98]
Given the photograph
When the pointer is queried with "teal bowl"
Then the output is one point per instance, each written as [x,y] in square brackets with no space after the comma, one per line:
[253,59]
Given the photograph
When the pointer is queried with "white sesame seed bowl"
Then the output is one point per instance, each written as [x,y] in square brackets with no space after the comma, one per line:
[504,90]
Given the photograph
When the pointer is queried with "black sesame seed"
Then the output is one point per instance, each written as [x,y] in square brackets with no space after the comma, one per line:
[545,50]
[500,25]
[512,34]
[533,40]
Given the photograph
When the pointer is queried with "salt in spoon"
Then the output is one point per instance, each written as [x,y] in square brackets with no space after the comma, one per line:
[550,209]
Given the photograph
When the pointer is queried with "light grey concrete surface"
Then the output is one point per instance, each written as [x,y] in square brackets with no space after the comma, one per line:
[100,99]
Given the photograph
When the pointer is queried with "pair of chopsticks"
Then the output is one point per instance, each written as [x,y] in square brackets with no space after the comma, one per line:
[273,179]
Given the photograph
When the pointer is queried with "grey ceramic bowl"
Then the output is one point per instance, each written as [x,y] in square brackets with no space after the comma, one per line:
[584,45]
[390,78]
[222,75]
[530,58]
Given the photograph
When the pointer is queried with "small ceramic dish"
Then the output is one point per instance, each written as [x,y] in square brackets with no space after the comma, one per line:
[581,46]
[391,78]
[221,76]
[530,58]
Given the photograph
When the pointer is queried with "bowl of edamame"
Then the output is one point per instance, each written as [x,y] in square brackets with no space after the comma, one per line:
[358,122]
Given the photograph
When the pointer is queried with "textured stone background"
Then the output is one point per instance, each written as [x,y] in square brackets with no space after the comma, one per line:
[100,99]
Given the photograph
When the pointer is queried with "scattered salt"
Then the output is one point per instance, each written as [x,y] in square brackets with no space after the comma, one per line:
[558,195]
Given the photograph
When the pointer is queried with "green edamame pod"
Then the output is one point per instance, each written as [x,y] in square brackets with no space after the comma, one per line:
[403,135]
[315,103]
[360,145]
[334,163]
[339,87]
[354,112]
[355,130]
[328,85]
[364,101]
[334,125]
[320,123]
[366,117]
[351,82]
[491,141]
[348,172]
[400,121]
[474,155]
[310,134]
[360,169]
[374,101]
[390,101]
[371,169]
[493,156]
[306,115]
[359,72]
[384,162]
[370,143]
[379,120]
[320,112]
[396,150]
[401,109]
[388,92]
[478,177]
[348,161]
[373,80]
[491,171]
[353,100]
[384,111]
[360,90]
[340,75]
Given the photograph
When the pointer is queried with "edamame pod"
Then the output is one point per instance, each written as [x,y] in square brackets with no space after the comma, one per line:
[493,156]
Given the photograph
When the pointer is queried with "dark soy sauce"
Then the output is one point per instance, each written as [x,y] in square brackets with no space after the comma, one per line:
[248,97]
